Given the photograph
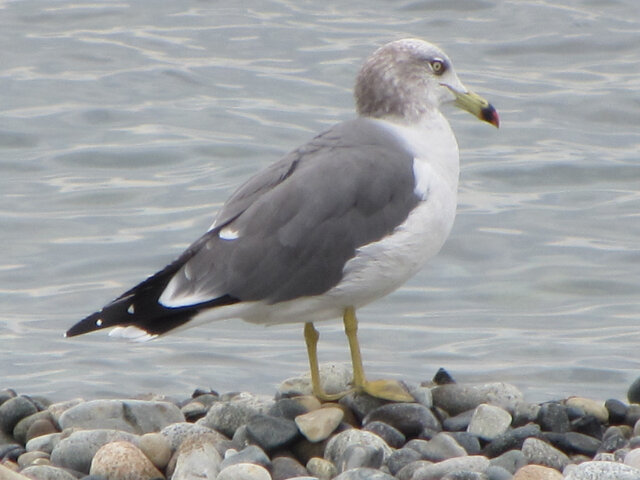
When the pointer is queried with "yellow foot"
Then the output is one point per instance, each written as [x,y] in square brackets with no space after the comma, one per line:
[388,390]
[331,397]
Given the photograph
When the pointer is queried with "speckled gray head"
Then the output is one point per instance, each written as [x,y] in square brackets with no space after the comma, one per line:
[410,78]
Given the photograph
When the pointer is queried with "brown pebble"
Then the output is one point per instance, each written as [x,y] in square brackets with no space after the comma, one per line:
[537,472]
[123,461]
[40,427]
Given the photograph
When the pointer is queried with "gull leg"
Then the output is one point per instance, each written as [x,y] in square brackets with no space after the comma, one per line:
[384,389]
[311,337]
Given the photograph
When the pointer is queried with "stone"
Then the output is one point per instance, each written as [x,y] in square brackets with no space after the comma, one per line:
[541,453]
[401,458]
[617,411]
[633,394]
[194,411]
[321,468]
[284,468]
[364,474]
[123,461]
[537,472]
[574,443]
[227,417]
[441,447]
[157,448]
[271,433]
[76,451]
[469,442]
[511,461]
[455,398]
[408,471]
[197,458]
[28,458]
[249,454]
[488,421]
[57,409]
[178,432]
[601,471]
[360,456]
[8,474]
[21,428]
[475,463]
[408,418]
[422,395]
[632,458]
[11,451]
[392,436]
[46,472]
[317,425]
[464,475]
[589,425]
[498,473]
[361,404]
[338,444]
[42,426]
[334,378]
[458,423]
[133,416]
[13,410]
[553,417]
[513,439]
[244,471]
[43,443]
[590,407]
[289,408]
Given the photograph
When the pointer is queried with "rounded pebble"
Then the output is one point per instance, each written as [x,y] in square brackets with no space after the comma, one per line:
[321,468]
[197,457]
[319,424]
[408,418]
[601,471]
[537,472]
[283,468]
[227,417]
[541,453]
[271,433]
[488,421]
[590,407]
[123,461]
[157,449]
[13,410]
[364,474]
[338,444]
[45,472]
[244,471]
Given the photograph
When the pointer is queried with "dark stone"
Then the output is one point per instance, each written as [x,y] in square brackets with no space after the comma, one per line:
[458,423]
[573,443]
[633,394]
[498,473]
[287,408]
[11,451]
[467,441]
[410,418]
[401,458]
[361,404]
[464,475]
[511,461]
[250,454]
[198,392]
[7,394]
[633,415]
[553,417]
[271,433]
[588,425]
[617,411]
[612,440]
[442,377]
[14,410]
[392,436]
[283,468]
[510,440]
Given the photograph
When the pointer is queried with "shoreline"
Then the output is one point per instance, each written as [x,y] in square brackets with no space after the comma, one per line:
[451,431]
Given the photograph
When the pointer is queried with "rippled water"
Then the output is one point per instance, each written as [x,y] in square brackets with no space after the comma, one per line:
[124,126]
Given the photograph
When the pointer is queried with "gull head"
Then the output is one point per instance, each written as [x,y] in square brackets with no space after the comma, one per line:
[410,78]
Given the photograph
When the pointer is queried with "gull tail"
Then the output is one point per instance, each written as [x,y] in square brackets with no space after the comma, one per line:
[140,314]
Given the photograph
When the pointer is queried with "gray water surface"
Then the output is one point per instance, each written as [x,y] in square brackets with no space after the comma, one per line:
[125,125]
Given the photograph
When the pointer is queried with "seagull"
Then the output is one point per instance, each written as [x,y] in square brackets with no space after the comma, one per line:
[341,221]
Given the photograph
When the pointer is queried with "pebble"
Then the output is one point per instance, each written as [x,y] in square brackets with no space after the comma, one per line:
[283,468]
[317,425]
[363,474]
[590,407]
[46,472]
[541,453]
[601,471]
[513,439]
[197,457]
[157,448]
[409,418]
[632,458]
[537,472]
[475,463]
[633,394]
[22,427]
[227,417]
[392,436]
[133,416]
[271,433]
[123,461]
[337,445]
[454,398]
[321,468]
[553,417]
[243,471]
[334,378]
[250,454]
[489,421]
[13,410]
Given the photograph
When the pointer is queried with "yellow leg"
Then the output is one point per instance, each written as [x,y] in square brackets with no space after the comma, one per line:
[311,338]
[384,389]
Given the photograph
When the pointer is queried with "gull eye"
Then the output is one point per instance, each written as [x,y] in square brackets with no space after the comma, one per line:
[438,66]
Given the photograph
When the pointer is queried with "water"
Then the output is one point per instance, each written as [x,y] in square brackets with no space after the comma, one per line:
[124,126]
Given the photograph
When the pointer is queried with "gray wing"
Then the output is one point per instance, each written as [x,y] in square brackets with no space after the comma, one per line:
[289,231]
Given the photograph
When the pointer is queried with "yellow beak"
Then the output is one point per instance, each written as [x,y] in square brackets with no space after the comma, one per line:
[476,106]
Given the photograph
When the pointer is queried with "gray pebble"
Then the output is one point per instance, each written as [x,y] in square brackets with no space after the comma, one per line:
[283,468]
[474,463]
[287,408]
[510,440]
[197,457]
[271,433]
[392,436]
[46,472]
[553,417]
[541,453]
[250,454]
[498,473]
[469,442]
[574,443]
[455,398]
[401,458]
[227,417]
[358,456]
[464,475]
[364,474]
[338,444]
[633,394]
[511,461]
[77,450]
[43,443]
[488,421]
[177,432]
[458,423]
[361,404]
[321,468]
[133,416]
[22,427]
[408,418]
[243,471]
[441,447]
[13,410]
[601,471]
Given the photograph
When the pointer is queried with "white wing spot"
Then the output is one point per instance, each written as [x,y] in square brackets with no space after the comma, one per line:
[99,322]
[228,233]
[133,333]
[132,309]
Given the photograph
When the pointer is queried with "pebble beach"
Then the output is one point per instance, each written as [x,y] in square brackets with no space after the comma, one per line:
[452,431]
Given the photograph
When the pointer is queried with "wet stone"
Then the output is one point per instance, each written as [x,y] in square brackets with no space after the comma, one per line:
[408,418]
[488,422]
[13,410]
[541,453]
[283,468]
[392,436]
[271,433]
[617,411]
[510,440]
